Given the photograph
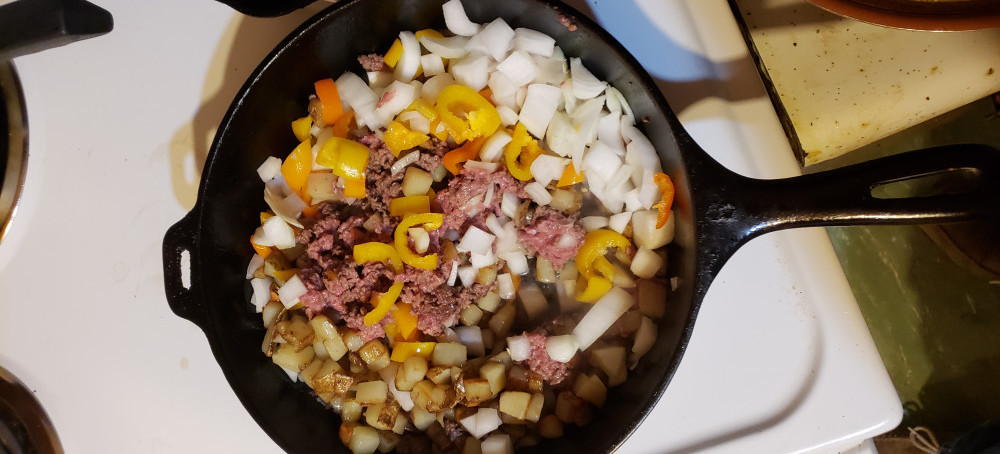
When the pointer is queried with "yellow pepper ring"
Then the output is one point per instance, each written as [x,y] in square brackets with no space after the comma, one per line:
[596,272]
[401,351]
[429,221]
[520,153]
[383,303]
[378,252]
[480,117]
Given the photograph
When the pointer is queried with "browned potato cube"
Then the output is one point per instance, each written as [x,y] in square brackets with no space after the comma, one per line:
[375,355]
[412,371]
[449,354]
[291,358]
[535,406]
[477,390]
[514,403]
[350,410]
[591,389]
[323,327]
[421,418]
[351,339]
[572,409]
[296,331]
[382,416]
[387,441]
[550,427]
[521,379]
[471,315]
[495,374]
[652,297]
[337,383]
[371,392]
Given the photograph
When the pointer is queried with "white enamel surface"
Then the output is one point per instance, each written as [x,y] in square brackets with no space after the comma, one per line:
[780,360]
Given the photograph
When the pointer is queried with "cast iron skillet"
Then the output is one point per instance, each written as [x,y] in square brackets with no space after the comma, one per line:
[717,210]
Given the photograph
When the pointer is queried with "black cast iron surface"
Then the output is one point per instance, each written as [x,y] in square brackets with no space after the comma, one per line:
[716,210]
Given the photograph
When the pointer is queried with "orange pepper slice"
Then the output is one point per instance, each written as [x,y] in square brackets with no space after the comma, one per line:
[343,124]
[453,158]
[666,186]
[406,322]
[569,176]
[262,251]
[383,303]
[326,91]
[297,166]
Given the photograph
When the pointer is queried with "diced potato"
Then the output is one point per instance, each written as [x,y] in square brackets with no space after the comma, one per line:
[319,350]
[572,409]
[375,355]
[503,357]
[288,357]
[296,331]
[550,427]
[364,440]
[357,365]
[652,296]
[310,371]
[416,181]
[471,315]
[371,392]
[646,263]
[611,360]
[401,422]
[449,354]
[421,418]
[472,446]
[497,444]
[412,371]
[351,339]
[514,403]
[622,256]
[335,348]
[567,201]
[387,441]
[346,430]
[591,389]
[502,320]
[532,300]
[382,416]
[477,391]
[272,313]
[568,271]
[521,379]
[496,374]
[433,398]
[350,410]
[645,232]
[489,302]
[566,291]
[439,374]
[544,272]
[337,382]
[487,275]
[421,395]
[319,186]
[623,277]
[627,324]
[535,405]
[644,339]
[323,328]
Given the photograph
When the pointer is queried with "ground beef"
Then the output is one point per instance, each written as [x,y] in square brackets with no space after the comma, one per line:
[553,235]
[378,174]
[435,303]
[539,361]
[462,201]
[373,62]
[567,22]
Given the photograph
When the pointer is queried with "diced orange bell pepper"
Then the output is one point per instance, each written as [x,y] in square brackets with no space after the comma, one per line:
[378,252]
[466,114]
[569,176]
[406,322]
[470,150]
[301,128]
[297,166]
[487,94]
[392,55]
[403,350]
[285,275]
[355,187]
[342,125]
[264,215]
[402,240]
[414,204]
[326,91]
[310,211]
[666,186]
[383,303]
[520,153]
[262,251]
[398,137]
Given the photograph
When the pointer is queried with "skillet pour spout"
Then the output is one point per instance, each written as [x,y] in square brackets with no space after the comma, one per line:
[716,209]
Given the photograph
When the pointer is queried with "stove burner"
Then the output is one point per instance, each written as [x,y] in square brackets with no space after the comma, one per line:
[24,426]
[13,147]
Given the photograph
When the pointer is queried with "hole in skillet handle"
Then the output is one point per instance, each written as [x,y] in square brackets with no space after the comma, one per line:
[960,180]
[180,269]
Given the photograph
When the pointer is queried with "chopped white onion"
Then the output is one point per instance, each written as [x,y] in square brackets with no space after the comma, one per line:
[472,338]
[278,233]
[644,231]
[561,348]
[539,106]
[449,336]
[519,348]
[356,94]
[287,208]
[269,169]
[566,240]
[467,274]
[649,193]
[378,80]
[507,240]
[490,193]
[476,240]
[517,262]
[503,90]
[432,64]
[404,161]
[257,261]
[538,193]
[492,224]
[562,137]
[289,293]
[619,99]
[496,37]
[551,70]
[397,96]
[388,375]
[618,222]
[473,71]
[519,68]
[601,316]
[409,61]
[585,84]
[505,286]
[434,85]
[644,339]
[591,223]
[508,205]
[508,117]
[261,292]
[600,163]
[453,276]
[569,100]
[482,260]
[451,47]
[482,422]
[609,131]
[487,166]
[456,20]
[533,41]
[546,168]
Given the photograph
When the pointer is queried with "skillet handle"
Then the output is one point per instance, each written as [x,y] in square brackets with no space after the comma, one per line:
[183,295]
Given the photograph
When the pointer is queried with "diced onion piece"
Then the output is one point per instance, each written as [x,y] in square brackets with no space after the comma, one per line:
[278,233]
[482,260]
[601,163]
[409,62]
[476,240]
[644,339]
[646,263]
[505,286]
[619,99]
[618,222]
[497,444]
[472,71]
[538,193]
[508,205]
[561,348]
[287,207]
[585,84]
[533,300]
[432,64]
[451,47]
[497,38]
[487,166]
[639,153]
[255,262]
[539,106]
[517,263]
[508,117]
[519,68]
[609,131]
[388,375]
[649,193]
[519,348]
[467,274]
[434,85]
[397,96]
[357,95]
[261,292]
[289,293]
[404,161]
[269,169]
[421,239]
[453,275]
[456,20]
[645,233]
[546,168]
[562,137]
[533,41]
[632,202]
[591,223]
[484,421]
[601,316]
[550,70]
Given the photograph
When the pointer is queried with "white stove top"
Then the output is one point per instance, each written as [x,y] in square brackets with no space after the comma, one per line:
[780,360]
